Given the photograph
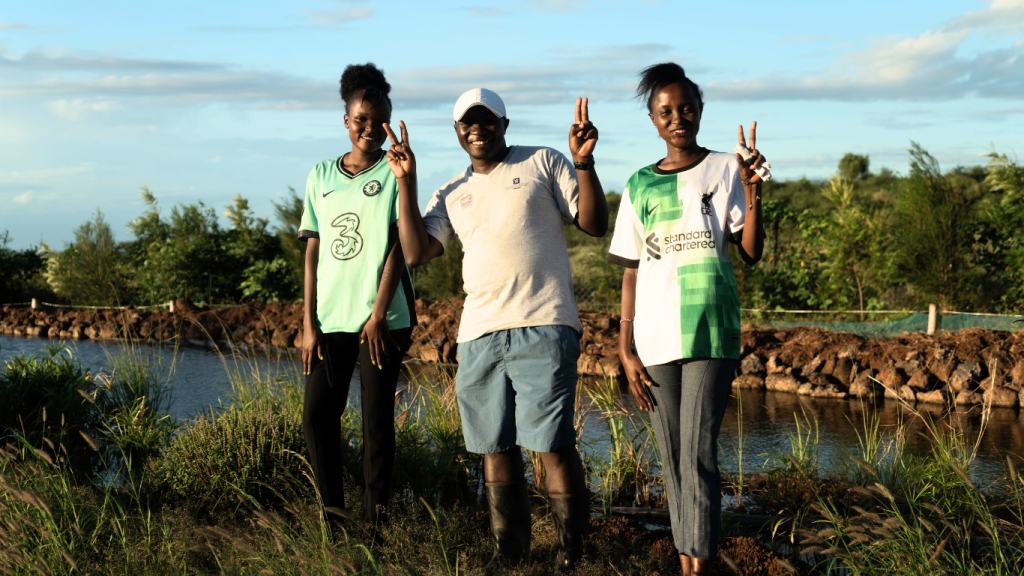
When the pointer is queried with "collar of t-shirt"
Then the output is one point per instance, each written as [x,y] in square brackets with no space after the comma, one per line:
[658,170]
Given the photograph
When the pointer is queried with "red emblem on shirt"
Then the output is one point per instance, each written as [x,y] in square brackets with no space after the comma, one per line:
[466,201]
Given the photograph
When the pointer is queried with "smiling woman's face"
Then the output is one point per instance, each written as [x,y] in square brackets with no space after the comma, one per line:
[675,112]
[365,122]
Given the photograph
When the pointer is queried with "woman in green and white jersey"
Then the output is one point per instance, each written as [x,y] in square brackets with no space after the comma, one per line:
[679,338]
[358,298]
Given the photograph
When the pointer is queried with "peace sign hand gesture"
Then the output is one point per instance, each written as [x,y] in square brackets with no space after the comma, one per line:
[749,167]
[582,134]
[400,157]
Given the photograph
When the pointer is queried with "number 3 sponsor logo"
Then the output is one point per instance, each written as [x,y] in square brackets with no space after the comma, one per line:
[349,243]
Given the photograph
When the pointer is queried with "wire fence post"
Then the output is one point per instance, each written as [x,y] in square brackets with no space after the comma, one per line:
[934,323]
[35,304]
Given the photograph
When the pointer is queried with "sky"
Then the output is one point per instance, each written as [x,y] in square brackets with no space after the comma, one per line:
[201,101]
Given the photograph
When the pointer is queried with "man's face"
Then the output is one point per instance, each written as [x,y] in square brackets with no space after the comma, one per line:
[676,113]
[482,134]
[365,122]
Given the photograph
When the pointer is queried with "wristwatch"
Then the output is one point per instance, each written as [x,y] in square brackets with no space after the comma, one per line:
[584,165]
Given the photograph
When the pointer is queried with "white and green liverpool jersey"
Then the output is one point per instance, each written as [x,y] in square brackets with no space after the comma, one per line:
[673,226]
[352,215]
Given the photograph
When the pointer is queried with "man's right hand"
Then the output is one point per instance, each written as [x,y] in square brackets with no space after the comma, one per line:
[311,337]
[639,379]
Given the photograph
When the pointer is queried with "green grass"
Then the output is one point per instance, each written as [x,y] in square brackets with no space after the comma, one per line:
[230,491]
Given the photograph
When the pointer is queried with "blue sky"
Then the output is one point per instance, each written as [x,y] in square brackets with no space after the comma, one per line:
[203,101]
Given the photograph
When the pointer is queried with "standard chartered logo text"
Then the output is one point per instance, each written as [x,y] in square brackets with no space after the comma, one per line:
[693,240]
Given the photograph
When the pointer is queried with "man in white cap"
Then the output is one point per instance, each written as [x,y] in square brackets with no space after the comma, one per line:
[519,334]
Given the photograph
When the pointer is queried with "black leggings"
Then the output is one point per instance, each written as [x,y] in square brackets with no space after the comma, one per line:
[327,388]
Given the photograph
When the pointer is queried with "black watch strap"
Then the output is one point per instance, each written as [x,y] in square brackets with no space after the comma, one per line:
[584,165]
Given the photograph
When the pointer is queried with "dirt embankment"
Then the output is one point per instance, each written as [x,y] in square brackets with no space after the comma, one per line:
[964,367]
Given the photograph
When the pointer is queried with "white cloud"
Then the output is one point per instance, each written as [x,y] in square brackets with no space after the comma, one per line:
[23,198]
[215,159]
[13,26]
[77,109]
[558,6]
[488,13]
[928,66]
[52,173]
[339,16]
[803,39]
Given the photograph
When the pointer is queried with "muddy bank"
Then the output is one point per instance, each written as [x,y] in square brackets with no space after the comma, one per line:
[964,367]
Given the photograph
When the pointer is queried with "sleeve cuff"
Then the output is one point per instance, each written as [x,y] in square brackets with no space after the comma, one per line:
[307,234]
[624,262]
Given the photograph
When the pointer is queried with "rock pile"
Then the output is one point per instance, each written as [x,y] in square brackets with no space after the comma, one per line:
[965,367]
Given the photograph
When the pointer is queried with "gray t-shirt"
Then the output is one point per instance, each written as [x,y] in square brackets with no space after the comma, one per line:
[516,268]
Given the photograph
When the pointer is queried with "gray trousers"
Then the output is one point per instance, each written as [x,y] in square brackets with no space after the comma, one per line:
[689,403]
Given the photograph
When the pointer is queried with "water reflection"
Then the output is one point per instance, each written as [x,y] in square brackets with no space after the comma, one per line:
[201,379]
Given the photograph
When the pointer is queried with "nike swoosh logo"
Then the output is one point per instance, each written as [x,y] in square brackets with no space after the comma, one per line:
[651,211]
[326,193]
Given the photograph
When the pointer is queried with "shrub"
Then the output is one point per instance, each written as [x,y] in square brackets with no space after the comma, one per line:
[247,447]
[41,396]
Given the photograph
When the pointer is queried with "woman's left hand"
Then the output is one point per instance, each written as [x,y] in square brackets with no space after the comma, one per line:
[400,157]
[376,334]
[747,170]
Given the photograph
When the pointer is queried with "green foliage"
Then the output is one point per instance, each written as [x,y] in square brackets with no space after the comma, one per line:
[289,216]
[44,391]
[245,447]
[272,281]
[596,281]
[932,233]
[22,278]
[92,269]
[441,277]
[856,243]
[853,166]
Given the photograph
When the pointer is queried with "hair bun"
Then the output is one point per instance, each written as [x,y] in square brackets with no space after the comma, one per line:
[360,77]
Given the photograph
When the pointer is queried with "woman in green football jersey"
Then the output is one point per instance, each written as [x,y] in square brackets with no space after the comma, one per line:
[679,335]
[358,298]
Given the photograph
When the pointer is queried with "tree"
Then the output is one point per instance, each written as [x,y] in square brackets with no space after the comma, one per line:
[1006,177]
[289,217]
[853,166]
[854,239]
[933,233]
[92,270]
[22,271]
[182,256]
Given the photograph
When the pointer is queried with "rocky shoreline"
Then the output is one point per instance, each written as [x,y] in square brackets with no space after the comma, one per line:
[966,367]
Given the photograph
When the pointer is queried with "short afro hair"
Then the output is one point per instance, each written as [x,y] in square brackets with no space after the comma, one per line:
[657,76]
[365,78]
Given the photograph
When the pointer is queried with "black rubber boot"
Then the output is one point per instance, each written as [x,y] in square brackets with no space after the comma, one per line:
[510,523]
[571,513]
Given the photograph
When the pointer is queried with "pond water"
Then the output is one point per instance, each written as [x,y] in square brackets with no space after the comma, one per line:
[200,381]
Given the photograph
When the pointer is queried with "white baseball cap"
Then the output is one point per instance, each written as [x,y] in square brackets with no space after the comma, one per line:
[479,97]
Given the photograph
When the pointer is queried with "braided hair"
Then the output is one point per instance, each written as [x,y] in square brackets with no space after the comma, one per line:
[657,76]
[366,79]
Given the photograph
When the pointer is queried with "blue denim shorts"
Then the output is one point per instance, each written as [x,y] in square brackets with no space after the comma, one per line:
[517,387]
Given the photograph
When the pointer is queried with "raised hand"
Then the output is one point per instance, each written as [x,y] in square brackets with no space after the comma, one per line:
[747,169]
[582,134]
[400,157]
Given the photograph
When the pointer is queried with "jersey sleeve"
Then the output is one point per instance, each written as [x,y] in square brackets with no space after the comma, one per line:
[737,214]
[436,220]
[628,237]
[565,185]
[308,227]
